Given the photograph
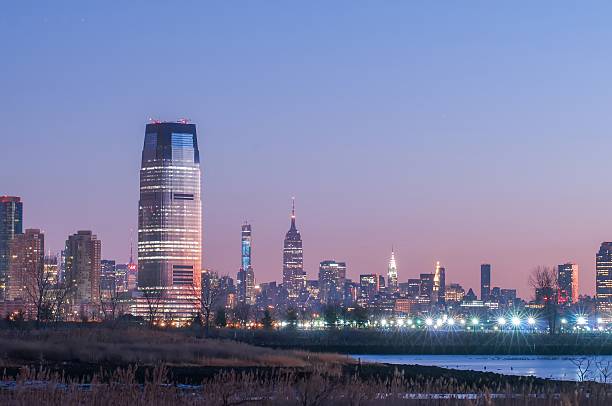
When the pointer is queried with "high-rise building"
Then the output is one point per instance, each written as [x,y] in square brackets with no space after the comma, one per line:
[427,286]
[332,276]
[83,263]
[369,286]
[603,280]
[108,277]
[485,282]
[439,281]
[11,224]
[392,284]
[567,278]
[26,267]
[170,221]
[294,277]
[246,276]
[131,280]
[51,268]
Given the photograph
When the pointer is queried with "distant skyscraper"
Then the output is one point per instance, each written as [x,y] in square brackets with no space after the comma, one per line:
[392,284]
[11,224]
[485,282]
[427,286]
[294,277]
[108,277]
[131,279]
[246,276]
[439,281]
[170,219]
[83,265]
[369,286]
[603,279]
[52,268]
[567,278]
[26,266]
[332,276]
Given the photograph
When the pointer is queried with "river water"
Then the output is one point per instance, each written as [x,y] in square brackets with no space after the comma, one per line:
[560,368]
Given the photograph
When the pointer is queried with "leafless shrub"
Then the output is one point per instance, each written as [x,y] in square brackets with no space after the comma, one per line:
[583,367]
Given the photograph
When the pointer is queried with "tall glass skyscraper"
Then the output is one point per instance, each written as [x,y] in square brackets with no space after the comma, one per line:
[170,220]
[246,276]
[294,277]
[11,224]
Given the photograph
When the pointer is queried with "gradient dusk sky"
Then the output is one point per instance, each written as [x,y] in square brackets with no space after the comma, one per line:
[464,132]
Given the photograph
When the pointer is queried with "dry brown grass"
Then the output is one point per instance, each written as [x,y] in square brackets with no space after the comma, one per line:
[321,386]
[145,347]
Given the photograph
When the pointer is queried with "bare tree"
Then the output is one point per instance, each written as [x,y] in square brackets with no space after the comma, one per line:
[604,367]
[242,313]
[544,280]
[583,367]
[59,296]
[208,299]
[153,298]
[109,303]
[38,288]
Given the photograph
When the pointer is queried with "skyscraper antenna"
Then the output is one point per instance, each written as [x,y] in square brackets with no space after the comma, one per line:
[293,207]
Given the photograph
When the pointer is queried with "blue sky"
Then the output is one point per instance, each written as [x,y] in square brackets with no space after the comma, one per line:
[464,132]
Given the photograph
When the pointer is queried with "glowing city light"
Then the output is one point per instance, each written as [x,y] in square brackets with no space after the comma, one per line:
[429,321]
[516,321]
[451,322]
[581,320]
[475,321]
[501,321]
[531,321]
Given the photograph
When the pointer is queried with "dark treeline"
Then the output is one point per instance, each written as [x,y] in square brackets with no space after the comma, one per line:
[360,341]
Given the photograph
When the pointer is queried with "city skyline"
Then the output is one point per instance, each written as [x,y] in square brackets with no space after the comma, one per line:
[434,132]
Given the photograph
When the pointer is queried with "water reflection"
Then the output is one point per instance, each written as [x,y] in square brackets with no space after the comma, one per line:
[560,368]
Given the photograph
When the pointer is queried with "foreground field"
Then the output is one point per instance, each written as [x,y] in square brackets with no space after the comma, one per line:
[137,366]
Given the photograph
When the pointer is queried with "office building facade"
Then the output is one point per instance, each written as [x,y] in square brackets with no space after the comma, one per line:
[603,280]
[332,276]
[485,282]
[82,268]
[170,221]
[11,224]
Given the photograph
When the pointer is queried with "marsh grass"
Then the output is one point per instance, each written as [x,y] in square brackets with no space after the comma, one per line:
[319,386]
[144,346]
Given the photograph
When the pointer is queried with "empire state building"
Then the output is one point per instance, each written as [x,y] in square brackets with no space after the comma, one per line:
[294,277]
